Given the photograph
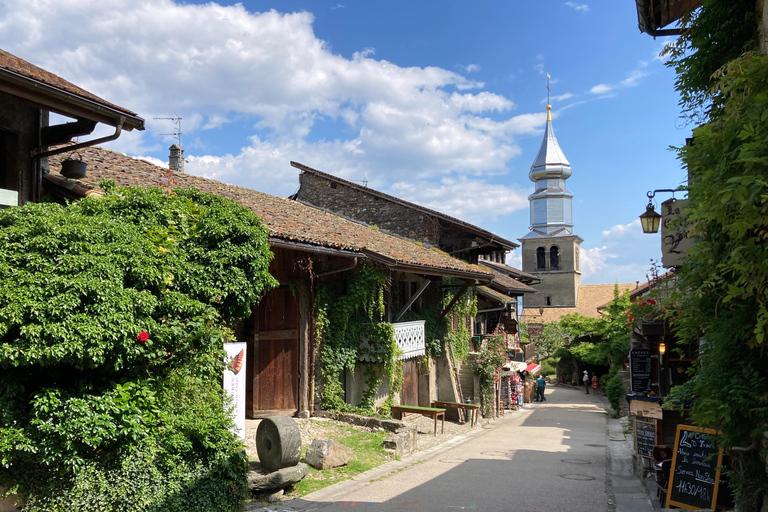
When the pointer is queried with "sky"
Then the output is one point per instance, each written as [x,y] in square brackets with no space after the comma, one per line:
[441,103]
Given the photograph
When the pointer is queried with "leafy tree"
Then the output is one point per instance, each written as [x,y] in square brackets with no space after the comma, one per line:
[113,312]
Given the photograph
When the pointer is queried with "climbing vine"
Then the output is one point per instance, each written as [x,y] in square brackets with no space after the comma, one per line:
[724,305]
[458,335]
[345,318]
[486,365]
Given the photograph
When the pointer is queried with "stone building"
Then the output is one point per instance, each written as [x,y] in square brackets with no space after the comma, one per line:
[551,249]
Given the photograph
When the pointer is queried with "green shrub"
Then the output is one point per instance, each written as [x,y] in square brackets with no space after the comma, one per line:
[113,313]
[612,388]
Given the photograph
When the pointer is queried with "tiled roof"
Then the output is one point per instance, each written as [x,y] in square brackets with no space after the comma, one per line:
[513,272]
[288,220]
[21,67]
[495,295]
[642,289]
[448,218]
[590,297]
[507,284]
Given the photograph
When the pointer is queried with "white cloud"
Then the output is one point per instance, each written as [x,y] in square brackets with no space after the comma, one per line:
[594,260]
[559,98]
[470,68]
[153,160]
[578,7]
[473,201]
[633,78]
[269,71]
[337,6]
[514,259]
[601,89]
[622,230]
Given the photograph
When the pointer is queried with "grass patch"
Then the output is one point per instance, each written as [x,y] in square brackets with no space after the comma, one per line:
[368,455]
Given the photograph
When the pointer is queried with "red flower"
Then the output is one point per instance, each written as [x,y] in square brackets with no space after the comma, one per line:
[143,336]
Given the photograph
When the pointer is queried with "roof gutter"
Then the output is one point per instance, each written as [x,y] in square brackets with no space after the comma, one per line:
[83,106]
[38,153]
[426,269]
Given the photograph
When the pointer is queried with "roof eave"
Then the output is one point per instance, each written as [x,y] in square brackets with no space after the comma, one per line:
[48,97]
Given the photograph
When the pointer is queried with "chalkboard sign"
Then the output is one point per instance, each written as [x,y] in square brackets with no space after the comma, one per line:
[694,478]
[640,370]
[646,437]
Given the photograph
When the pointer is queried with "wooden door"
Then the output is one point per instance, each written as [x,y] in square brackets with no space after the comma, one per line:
[410,392]
[276,379]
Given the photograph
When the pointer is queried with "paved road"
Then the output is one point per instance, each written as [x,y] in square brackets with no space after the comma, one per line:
[549,457]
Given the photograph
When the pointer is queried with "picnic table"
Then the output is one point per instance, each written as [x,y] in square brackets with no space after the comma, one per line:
[458,405]
[399,412]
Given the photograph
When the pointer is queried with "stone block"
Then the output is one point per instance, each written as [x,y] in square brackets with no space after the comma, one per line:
[278,442]
[260,480]
[327,453]
[401,443]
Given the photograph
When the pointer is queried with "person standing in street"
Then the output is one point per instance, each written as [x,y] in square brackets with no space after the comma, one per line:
[540,384]
[594,383]
[585,378]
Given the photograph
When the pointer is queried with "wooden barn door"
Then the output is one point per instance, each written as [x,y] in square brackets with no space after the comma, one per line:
[410,393]
[276,379]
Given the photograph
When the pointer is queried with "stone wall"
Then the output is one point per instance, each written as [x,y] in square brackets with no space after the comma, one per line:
[371,209]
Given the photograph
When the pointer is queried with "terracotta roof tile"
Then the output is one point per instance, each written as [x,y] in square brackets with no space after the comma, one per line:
[285,219]
[495,295]
[21,67]
[590,297]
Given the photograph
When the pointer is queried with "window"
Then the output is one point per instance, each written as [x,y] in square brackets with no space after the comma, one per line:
[541,258]
[549,301]
[554,257]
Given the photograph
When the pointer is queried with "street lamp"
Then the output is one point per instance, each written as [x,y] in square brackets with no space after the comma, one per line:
[662,348]
[650,220]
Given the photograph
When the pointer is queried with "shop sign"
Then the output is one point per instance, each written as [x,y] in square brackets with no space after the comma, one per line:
[674,233]
[535,330]
[234,383]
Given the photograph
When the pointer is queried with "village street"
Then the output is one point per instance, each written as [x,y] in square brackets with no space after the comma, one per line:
[547,457]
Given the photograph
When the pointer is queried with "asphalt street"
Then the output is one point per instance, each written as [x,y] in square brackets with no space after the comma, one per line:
[548,457]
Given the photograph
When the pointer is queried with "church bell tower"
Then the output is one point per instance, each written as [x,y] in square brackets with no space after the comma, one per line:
[550,249]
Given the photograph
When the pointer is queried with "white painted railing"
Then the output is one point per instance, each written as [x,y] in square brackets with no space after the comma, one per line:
[410,338]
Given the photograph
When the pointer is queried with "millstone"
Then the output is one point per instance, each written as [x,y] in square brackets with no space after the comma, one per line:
[278,442]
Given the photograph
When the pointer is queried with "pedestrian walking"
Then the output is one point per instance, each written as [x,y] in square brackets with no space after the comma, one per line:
[594,383]
[540,384]
[586,381]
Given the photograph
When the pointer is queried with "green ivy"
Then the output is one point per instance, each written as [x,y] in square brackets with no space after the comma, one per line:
[113,312]
[346,313]
[725,307]
[486,365]
[459,338]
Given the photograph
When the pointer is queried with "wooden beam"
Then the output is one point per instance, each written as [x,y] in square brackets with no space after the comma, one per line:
[456,297]
[413,299]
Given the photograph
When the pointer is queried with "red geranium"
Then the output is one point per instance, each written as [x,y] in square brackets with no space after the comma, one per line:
[143,336]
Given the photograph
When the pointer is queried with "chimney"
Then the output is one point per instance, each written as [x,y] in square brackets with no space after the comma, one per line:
[176,158]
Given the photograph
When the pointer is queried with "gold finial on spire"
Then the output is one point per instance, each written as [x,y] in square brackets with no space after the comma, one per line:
[549,107]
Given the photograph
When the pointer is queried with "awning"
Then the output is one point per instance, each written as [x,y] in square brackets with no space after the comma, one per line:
[533,368]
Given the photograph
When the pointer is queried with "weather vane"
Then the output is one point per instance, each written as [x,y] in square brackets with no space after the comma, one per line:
[548,77]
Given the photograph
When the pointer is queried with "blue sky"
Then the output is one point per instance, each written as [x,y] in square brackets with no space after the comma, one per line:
[438,102]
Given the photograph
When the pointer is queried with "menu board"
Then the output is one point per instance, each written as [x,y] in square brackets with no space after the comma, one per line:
[695,477]
[640,370]
[646,435]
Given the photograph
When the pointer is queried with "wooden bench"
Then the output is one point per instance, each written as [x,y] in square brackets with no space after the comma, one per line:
[458,405]
[399,412]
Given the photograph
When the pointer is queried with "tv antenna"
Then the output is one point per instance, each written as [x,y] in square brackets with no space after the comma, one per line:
[176,132]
